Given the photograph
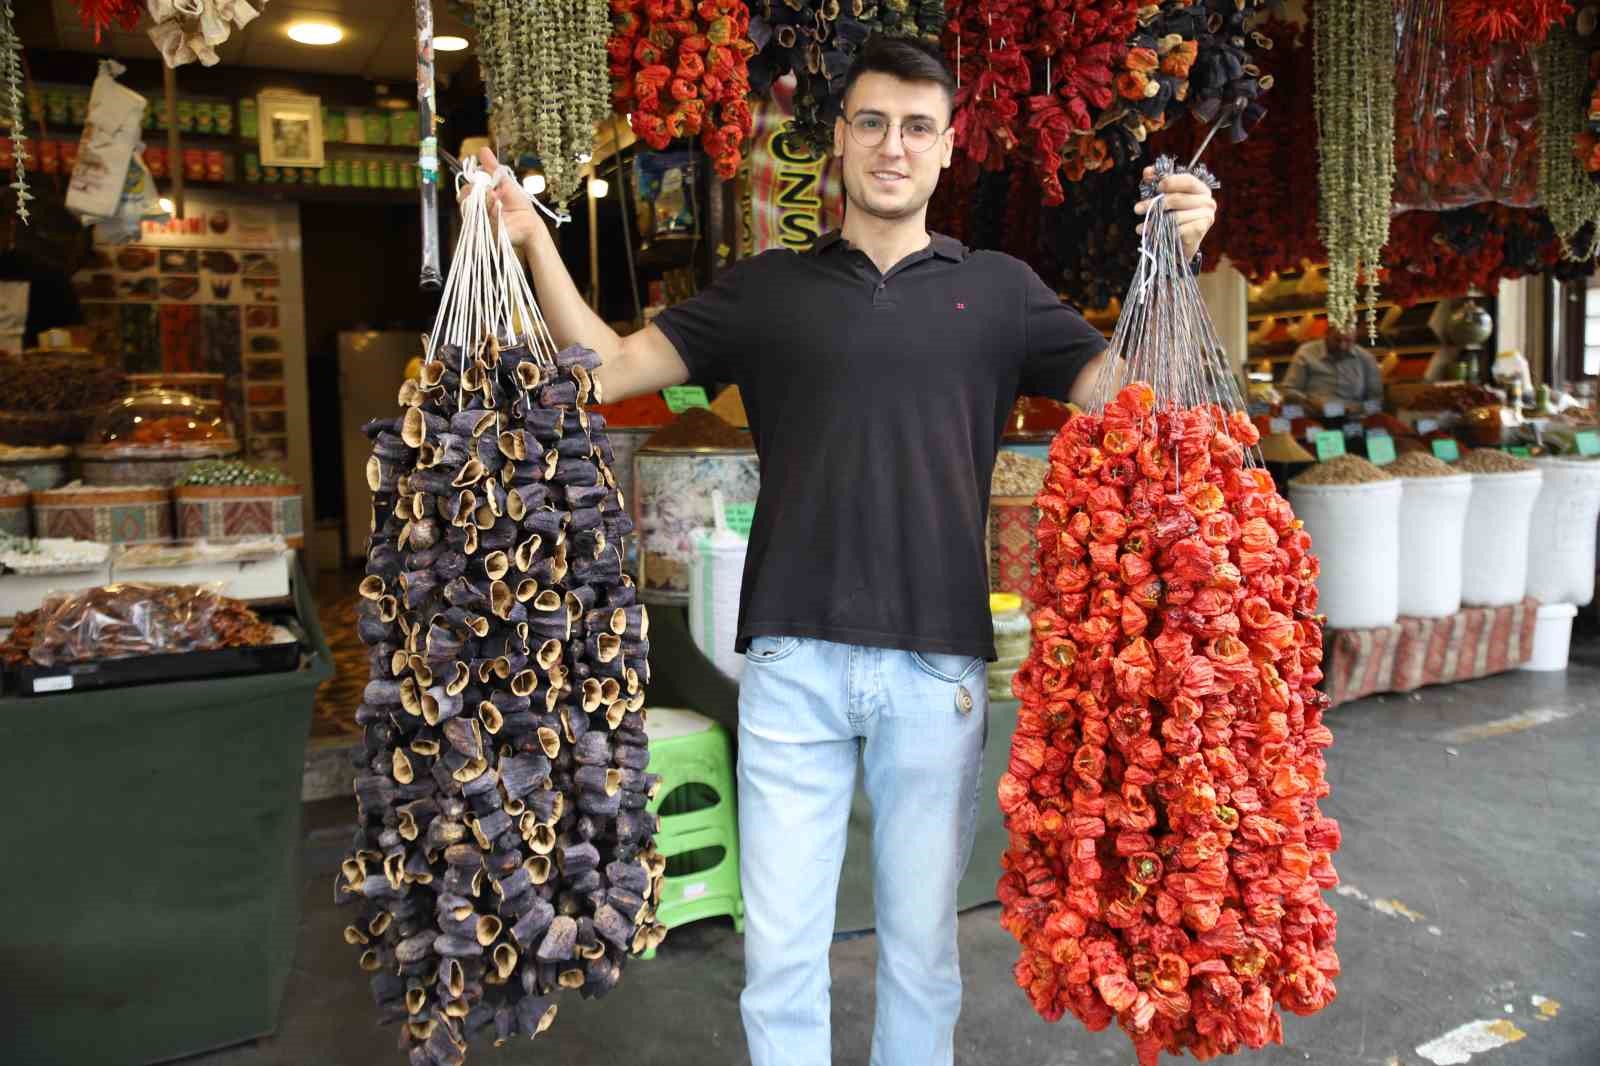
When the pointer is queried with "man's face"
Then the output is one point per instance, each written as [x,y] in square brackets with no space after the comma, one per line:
[890,181]
[1338,340]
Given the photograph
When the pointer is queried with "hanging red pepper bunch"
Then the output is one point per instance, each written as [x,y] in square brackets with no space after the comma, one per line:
[680,70]
[1492,22]
[1470,248]
[1167,856]
[100,15]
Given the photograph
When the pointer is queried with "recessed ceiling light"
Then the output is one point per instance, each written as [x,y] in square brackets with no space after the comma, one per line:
[448,43]
[316,33]
[166,205]
[598,187]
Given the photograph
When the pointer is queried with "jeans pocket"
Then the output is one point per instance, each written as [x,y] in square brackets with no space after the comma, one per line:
[770,649]
[951,669]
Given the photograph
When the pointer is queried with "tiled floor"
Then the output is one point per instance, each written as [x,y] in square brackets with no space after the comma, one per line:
[1470,896]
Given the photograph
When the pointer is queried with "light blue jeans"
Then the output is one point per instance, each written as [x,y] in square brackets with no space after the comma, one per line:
[807,709]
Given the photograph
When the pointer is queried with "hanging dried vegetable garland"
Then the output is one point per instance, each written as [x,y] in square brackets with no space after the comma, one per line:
[11,71]
[679,70]
[1569,181]
[544,75]
[101,15]
[1471,249]
[1265,223]
[1167,857]
[1077,86]
[1355,45]
[816,41]
[1482,23]
[505,851]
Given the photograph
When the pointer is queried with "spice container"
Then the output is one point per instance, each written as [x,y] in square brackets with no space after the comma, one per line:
[229,501]
[1494,560]
[1561,540]
[15,518]
[1352,511]
[1433,518]
[1013,544]
[675,474]
[38,468]
[123,514]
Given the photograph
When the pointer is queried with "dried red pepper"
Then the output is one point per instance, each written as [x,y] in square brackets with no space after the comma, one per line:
[1167,856]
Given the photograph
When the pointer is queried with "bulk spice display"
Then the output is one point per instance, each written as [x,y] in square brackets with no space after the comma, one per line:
[1355,145]
[1167,857]
[816,42]
[504,851]
[544,72]
[679,69]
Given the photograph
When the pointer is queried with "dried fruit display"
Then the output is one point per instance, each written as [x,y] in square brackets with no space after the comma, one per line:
[122,620]
[504,851]
[1167,856]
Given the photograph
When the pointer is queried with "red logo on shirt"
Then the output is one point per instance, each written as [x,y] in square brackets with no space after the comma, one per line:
[961,307]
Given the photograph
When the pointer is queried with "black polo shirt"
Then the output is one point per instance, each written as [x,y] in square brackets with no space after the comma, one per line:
[877,403]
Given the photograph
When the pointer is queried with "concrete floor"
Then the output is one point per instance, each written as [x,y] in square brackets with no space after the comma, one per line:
[1470,895]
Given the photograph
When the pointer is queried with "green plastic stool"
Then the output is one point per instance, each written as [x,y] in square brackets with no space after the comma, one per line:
[694,758]
[698,814]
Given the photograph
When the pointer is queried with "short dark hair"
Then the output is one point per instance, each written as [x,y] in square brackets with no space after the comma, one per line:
[905,58]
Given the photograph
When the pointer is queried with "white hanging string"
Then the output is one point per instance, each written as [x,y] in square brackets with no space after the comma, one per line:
[1164,335]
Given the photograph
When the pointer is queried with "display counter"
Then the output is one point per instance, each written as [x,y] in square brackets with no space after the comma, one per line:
[156,848]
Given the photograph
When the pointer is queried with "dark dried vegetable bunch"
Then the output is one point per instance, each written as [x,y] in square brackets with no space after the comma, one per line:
[1187,56]
[504,851]
[816,41]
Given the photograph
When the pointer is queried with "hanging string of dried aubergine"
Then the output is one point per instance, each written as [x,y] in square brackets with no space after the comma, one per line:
[504,850]
[816,41]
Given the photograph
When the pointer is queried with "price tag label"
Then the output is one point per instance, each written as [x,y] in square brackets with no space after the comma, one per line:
[1520,451]
[1380,449]
[62,683]
[1330,445]
[682,397]
[1448,450]
[740,517]
[1333,409]
[1426,426]
[1279,425]
[1293,411]
[1373,407]
[1588,443]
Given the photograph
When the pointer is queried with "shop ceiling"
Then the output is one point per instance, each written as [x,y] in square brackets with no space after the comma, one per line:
[379,39]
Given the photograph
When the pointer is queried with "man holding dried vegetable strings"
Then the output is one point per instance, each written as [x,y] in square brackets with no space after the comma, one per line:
[877,370]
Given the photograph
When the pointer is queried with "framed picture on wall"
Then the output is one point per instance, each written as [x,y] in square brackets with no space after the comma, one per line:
[290,129]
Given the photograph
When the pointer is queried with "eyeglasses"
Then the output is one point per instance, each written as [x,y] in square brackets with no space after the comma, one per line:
[917,135]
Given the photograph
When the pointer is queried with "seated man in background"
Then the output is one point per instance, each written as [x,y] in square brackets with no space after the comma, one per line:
[1333,370]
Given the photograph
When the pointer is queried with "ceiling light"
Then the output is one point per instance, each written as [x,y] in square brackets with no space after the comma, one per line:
[448,43]
[166,205]
[316,33]
[533,184]
[598,187]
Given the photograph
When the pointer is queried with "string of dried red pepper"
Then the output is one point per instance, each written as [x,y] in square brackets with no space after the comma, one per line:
[1167,855]
[680,69]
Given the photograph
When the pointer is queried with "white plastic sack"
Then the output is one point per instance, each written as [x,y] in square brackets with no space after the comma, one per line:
[110,134]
